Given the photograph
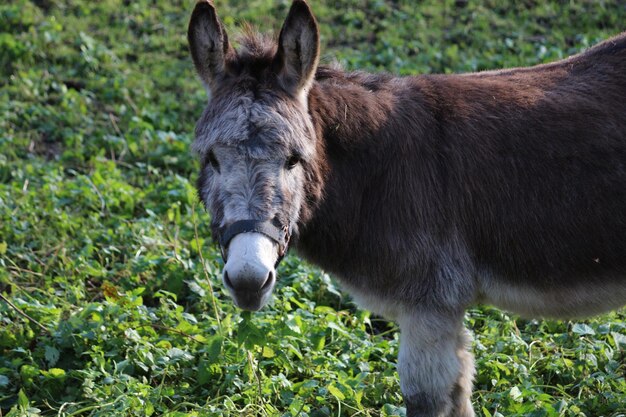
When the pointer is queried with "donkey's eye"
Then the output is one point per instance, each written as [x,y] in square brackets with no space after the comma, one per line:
[293,161]
[212,160]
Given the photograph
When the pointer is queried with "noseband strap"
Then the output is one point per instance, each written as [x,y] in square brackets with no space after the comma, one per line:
[270,228]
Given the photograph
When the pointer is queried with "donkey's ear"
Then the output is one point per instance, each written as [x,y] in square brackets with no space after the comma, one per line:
[208,43]
[298,48]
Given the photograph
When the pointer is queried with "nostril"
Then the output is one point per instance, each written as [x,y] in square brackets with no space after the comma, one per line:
[227,280]
[268,281]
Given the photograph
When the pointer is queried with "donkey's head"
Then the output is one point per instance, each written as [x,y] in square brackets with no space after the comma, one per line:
[257,143]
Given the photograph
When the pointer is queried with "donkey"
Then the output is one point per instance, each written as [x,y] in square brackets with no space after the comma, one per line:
[423,195]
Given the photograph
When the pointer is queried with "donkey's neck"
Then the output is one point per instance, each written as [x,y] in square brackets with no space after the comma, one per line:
[371,127]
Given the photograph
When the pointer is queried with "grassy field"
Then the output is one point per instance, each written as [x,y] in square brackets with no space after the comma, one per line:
[111,297]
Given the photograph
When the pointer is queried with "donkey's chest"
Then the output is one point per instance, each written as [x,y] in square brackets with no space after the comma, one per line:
[394,296]
[384,306]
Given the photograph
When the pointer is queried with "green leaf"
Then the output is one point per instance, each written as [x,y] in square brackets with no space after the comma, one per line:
[22,400]
[390,410]
[51,354]
[249,334]
[516,394]
[176,353]
[336,392]
[296,406]
[294,324]
[214,348]
[318,341]
[620,339]
[204,372]
[56,373]
[28,373]
[582,329]
[131,334]
[268,352]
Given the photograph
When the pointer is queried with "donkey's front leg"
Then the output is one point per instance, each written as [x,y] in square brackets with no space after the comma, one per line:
[435,368]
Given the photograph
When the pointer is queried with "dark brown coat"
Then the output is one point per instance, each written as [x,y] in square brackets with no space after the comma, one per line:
[527,166]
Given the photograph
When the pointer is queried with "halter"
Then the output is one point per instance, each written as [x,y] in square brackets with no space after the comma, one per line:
[273,229]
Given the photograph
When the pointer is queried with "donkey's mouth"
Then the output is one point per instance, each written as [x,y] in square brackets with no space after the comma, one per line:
[251,300]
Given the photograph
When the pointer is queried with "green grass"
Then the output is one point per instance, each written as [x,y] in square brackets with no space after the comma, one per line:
[98,220]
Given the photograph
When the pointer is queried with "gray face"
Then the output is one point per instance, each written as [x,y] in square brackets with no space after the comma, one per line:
[255,150]
[255,137]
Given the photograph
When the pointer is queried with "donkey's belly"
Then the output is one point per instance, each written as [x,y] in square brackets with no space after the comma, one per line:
[579,299]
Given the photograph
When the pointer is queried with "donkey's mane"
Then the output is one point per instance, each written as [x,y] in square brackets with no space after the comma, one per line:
[256,51]
[254,45]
